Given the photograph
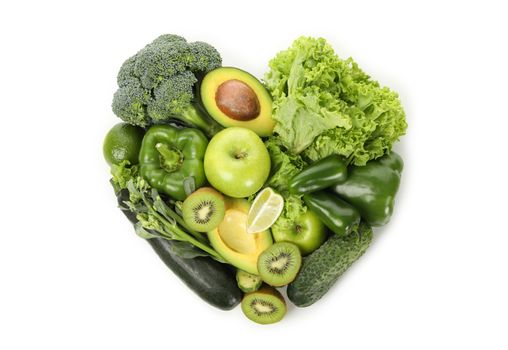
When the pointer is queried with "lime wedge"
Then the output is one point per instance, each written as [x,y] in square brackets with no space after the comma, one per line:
[264,211]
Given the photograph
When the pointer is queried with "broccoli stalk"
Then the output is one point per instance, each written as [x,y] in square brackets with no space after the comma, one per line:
[157,84]
[192,115]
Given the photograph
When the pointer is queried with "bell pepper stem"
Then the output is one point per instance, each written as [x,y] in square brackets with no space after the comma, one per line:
[171,158]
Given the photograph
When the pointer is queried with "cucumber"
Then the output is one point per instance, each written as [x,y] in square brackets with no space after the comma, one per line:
[212,281]
[248,282]
[321,269]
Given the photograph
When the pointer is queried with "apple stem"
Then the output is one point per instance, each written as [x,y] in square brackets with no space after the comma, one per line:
[240,155]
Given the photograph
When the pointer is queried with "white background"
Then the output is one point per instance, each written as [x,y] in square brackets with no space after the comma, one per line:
[73,275]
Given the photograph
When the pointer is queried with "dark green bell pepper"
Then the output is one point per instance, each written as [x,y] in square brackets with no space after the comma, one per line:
[170,155]
[319,175]
[337,215]
[371,188]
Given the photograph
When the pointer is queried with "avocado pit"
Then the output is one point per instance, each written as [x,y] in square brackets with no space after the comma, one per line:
[237,100]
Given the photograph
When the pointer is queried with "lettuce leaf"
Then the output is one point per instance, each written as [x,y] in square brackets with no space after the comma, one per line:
[284,167]
[325,105]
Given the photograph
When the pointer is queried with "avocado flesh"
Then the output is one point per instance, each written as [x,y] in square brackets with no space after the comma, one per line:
[254,104]
[234,235]
[231,240]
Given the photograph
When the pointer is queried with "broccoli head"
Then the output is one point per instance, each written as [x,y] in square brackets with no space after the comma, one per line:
[157,84]
[171,95]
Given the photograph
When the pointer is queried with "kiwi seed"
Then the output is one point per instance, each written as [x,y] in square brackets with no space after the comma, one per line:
[279,264]
[264,306]
[204,209]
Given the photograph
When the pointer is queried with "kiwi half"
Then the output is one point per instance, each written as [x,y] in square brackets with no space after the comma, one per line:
[204,209]
[279,264]
[264,306]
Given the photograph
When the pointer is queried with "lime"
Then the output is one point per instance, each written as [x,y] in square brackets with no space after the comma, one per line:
[122,142]
[264,211]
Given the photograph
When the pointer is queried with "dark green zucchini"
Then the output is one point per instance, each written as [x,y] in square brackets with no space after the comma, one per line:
[214,282]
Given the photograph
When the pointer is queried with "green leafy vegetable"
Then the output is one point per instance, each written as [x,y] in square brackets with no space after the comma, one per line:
[122,173]
[284,167]
[187,251]
[156,219]
[324,105]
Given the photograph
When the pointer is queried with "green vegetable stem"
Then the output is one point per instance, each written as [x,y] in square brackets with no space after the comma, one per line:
[169,156]
[153,217]
[320,175]
[372,188]
[158,220]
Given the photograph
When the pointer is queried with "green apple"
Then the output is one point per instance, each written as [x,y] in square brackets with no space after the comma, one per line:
[237,162]
[307,232]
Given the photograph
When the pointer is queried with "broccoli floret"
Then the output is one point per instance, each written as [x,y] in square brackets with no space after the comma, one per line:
[157,84]
[171,95]
[159,61]
[126,73]
[204,57]
[169,39]
[130,104]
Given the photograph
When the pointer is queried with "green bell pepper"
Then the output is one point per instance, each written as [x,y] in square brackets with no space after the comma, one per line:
[169,156]
[337,215]
[320,175]
[371,188]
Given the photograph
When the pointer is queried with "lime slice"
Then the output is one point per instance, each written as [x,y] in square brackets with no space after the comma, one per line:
[265,209]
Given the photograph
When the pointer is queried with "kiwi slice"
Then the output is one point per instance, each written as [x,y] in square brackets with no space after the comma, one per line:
[204,209]
[248,282]
[279,264]
[264,306]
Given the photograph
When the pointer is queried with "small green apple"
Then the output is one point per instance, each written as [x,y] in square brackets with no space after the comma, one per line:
[307,232]
[237,162]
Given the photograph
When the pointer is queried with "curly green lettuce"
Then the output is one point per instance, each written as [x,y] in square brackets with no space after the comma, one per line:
[325,105]
[284,167]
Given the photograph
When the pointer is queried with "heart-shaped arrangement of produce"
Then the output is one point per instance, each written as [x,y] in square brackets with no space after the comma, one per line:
[242,186]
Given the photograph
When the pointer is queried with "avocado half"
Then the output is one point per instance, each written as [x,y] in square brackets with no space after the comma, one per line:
[231,240]
[234,97]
